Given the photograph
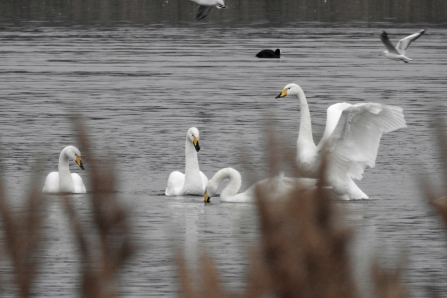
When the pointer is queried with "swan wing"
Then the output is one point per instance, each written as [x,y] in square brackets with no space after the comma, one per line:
[175,184]
[333,115]
[51,183]
[404,43]
[386,41]
[78,184]
[354,142]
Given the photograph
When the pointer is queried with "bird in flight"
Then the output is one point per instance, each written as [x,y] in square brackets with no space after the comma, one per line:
[205,7]
[398,52]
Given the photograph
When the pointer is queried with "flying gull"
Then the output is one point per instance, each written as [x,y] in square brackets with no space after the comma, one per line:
[398,53]
[205,7]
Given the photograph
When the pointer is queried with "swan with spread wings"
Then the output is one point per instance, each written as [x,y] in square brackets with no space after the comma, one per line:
[350,141]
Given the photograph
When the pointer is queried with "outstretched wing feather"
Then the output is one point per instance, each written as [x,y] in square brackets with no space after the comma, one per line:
[354,142]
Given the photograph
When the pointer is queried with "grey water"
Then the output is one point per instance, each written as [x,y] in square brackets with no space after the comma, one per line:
[139,88]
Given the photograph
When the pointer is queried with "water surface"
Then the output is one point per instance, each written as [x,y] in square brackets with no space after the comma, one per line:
[139,89]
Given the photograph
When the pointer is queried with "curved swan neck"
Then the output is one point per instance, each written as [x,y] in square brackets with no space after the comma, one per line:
[233,186]
[305,132]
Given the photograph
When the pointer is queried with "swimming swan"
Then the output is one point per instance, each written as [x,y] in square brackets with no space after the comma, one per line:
[63,180]
[279,186]
[351,140]
[193,182]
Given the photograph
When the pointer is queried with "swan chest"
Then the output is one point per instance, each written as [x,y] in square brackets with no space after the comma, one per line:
[308,163]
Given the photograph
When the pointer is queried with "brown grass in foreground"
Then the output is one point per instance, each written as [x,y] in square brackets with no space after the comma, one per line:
[302,250]
[104,242]
[103,255]
[22,228]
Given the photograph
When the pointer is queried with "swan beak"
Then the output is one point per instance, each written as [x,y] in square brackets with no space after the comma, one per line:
[195,141]
[206,198]
[220,6]
[282,94]
[79,162]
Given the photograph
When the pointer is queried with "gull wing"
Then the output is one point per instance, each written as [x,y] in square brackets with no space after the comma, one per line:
[386,41]
[404,43]
[203,11]
[354,142]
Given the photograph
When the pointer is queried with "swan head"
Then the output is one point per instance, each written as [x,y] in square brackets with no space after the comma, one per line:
[193,136]
[290,89]
[230,190]
[220,4]
[73,153]
[210,191]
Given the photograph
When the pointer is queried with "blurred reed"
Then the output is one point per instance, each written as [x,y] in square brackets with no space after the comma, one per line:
[22,229]
[104,254]
[104,242]
[302,251]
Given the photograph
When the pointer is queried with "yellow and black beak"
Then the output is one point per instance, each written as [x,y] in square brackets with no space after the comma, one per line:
[79,162]
[195,141]
[283,93]
[206,198]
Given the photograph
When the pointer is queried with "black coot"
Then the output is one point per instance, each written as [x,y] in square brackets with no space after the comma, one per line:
[269,54]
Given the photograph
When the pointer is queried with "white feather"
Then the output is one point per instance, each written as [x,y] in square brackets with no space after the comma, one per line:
[351,141]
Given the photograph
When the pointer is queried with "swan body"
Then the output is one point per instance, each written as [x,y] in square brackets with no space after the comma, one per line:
[350,140]
[63,181]
[279,186]
[193,182]
[398,52]
[205,6]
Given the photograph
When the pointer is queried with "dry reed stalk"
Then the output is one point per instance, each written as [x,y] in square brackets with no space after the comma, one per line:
[303,247]
[105,253]
[23,235]
[208,284]
[439,201]
[388,283]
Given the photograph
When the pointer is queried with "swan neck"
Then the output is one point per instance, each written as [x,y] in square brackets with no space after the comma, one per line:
[305,132]
[233,186]
[191,162]
[65,179]
[63,166]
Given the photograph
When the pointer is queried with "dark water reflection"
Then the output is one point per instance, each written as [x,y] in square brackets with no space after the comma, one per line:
[139,89]
[175,11]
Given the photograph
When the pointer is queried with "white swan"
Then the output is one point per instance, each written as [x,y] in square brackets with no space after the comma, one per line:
[350,140]
[63,180]
[193,182]
[398,53]
[278,185]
